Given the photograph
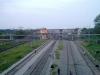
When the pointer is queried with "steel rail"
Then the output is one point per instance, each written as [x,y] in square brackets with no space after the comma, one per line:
[37,68]
[71,67]
[86,59]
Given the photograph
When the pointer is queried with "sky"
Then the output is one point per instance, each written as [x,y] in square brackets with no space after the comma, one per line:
[31,14]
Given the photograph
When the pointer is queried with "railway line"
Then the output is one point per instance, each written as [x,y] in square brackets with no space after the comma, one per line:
[89,60]
[37,68]
[71,64]
[80,64]
[75,61]
[16,67]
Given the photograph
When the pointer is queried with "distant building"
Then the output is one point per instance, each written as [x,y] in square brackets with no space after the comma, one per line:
[44,33]
[53,34]
[41,33]
[63,33]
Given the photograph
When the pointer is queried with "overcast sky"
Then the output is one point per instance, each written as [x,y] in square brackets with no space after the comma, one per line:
[48,13]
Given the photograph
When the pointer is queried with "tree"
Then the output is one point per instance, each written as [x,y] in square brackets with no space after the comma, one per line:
[0,33]
[87,31]
[21,34]
[84,31]
[97,24]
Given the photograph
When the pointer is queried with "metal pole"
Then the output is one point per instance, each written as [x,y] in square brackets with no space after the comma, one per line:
[89,33]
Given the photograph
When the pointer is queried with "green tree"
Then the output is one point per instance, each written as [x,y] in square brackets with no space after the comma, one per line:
[19,33]
[0,33]
[97,24]
[84,31]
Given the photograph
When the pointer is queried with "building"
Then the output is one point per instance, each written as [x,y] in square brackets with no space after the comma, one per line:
[41,33]
[63,33]
[56,34]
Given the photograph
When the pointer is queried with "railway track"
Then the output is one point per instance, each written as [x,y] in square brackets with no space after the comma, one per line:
[37,68]
[77,64]
[81,65]
[88,60]
[70,60]
[12,70]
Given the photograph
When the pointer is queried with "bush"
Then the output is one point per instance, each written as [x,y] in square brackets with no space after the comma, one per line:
[53,65]
[98,41]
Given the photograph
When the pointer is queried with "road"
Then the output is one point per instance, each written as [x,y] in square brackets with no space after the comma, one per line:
[72,62]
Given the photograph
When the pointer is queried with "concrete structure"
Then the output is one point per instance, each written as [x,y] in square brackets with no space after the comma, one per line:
[43,33]
[60,33]
[40,33]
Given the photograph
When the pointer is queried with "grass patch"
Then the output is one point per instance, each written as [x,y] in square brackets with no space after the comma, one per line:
[57,54]
[93,48]
[54,68]
[9,57]
[58,50]
[5,45]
